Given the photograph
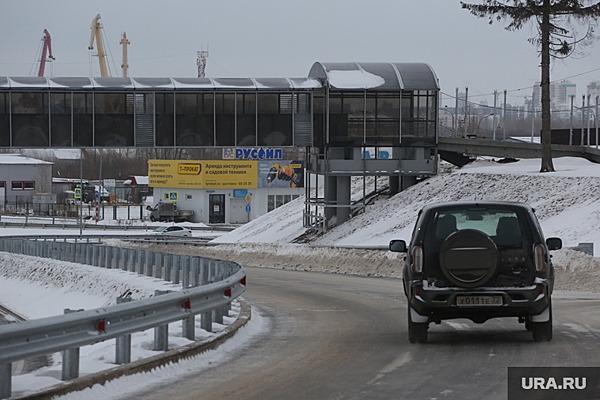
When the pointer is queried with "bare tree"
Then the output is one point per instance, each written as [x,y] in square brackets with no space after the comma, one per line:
[557,37]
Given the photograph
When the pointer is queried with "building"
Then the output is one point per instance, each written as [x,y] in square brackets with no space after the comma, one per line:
[560,95]
[21,178]
[228,191]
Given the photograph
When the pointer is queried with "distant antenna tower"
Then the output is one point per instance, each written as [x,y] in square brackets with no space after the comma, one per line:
[201,62]
[124,42]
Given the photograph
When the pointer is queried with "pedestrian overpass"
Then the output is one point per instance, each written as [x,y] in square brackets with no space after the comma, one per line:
[334,117]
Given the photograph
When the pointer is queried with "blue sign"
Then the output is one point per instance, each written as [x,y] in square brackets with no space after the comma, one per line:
[259,153]
[240,192]
[173,197]
[248,208]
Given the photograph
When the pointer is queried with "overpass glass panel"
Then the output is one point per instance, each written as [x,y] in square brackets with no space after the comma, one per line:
[113,115]
[274,119]
[4,120]
[246,119]
[194,119]
[60,120]
[164,116]
[383,118]
[83,119]
[225,119]
[30,119]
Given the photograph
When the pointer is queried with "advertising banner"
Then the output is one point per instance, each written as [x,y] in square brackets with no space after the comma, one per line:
[230,174]
[281,174]
[194,174]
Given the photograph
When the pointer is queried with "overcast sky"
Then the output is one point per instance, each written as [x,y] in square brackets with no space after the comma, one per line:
[275,38]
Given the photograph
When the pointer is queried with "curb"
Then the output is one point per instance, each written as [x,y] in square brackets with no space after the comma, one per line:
[147,364]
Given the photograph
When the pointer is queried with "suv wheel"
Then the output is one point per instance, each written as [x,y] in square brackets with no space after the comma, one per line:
[417,332]
[542,331]
[469,258]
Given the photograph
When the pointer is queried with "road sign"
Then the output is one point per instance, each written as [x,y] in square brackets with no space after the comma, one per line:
[77,193]
[173,197]
[248,208]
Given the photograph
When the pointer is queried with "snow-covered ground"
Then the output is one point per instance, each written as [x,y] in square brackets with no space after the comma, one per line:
[567,203]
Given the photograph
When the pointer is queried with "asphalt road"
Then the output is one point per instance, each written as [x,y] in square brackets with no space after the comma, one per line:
[342,337]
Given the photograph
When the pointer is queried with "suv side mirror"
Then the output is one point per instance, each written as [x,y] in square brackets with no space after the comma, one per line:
[554,243]
[398,246]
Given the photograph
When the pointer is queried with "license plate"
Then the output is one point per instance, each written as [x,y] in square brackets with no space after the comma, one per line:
[473,301]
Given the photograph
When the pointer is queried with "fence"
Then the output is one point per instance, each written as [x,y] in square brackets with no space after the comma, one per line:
[208,287]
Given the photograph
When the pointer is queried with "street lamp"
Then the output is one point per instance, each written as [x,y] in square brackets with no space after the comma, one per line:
[481,119]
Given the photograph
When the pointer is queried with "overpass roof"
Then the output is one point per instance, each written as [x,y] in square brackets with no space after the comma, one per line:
[376,76]
[74,83]
[342,76]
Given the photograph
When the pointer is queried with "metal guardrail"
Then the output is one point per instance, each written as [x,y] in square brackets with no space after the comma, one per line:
[209,286]
[32,223]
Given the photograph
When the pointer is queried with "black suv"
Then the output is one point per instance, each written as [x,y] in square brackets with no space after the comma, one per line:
[478,260]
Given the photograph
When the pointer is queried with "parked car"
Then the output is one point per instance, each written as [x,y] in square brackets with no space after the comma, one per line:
[173,230]
[478,260]
[169,212]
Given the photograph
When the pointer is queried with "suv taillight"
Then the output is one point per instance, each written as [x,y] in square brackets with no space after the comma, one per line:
[417,259]
[539,258]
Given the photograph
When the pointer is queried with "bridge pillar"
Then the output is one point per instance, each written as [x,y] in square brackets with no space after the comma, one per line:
[343,199]
[407,181]
[330,199]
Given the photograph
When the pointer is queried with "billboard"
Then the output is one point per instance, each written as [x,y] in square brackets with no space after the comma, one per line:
[281,174]
[194,174]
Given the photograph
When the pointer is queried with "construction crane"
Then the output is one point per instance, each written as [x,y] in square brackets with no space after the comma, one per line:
[97,34]
[46,53]
[124,43]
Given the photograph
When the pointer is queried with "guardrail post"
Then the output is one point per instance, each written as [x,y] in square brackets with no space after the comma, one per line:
[141,261]
[131,257]
[146,268]
[185,271]
[158,265]
[206,321]
[167,267]
[123,343]
[189,328]
[176,261]
[217,313]
[161,333]
[70,358]
[115,259]
[108,256]
[100,257]
[5,380]
[196,268]
[204,271]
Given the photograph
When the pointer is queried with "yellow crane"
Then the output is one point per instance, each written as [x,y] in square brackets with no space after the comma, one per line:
[97,35]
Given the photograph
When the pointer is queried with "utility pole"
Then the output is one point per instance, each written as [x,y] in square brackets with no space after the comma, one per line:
[466,110]
[571,122]
[504,118]
[201,62]
[494,119]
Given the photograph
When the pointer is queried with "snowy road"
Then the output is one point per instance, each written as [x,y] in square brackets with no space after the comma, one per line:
[342,337]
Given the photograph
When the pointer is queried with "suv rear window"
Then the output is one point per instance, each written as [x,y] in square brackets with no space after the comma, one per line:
[501,225]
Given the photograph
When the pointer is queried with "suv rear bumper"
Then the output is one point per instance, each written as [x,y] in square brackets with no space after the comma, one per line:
[440,303]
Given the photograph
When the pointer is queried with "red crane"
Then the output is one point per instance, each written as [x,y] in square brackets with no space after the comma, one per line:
[46,53]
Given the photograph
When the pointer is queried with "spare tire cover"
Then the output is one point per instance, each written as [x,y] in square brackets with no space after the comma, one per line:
[469,258]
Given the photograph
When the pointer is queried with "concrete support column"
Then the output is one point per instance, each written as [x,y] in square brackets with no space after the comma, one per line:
[343,199]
